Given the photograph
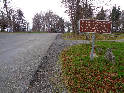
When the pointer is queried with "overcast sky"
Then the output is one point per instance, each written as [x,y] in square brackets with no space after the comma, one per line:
[31,7]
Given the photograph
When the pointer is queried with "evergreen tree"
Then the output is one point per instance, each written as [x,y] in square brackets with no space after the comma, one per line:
[101,15]
[114,17]
[122,20]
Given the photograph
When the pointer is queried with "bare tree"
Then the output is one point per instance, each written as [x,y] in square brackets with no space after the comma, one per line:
[60,25]
[8,12]
[47,22]
[36,23]
[78,9]
[3,21]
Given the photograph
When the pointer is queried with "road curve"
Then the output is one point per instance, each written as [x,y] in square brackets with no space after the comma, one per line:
[20,56]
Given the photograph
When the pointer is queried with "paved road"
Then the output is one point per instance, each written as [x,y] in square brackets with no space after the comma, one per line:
[19,57]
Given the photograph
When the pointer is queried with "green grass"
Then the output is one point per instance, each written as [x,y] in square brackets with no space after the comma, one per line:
[81,75]
[72,36]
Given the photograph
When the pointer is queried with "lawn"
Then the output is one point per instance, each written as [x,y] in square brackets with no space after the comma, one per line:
[81,75]
[72,36]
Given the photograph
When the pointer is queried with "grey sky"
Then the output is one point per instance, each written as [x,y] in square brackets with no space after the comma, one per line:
[31,7]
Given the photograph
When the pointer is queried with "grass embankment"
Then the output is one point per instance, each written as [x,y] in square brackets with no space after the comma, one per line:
[99,76]
[72,36]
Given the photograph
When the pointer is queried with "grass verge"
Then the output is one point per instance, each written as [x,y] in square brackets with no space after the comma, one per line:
[72,36]
[99,76]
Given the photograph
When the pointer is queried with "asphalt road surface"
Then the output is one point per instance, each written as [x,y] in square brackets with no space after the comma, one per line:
[20,56]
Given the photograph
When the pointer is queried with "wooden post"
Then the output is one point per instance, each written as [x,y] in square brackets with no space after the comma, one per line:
[93,45]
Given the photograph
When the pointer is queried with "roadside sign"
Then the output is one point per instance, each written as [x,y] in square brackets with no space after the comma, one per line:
[94,26]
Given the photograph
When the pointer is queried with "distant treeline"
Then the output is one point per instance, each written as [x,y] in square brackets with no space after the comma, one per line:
[48,22]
